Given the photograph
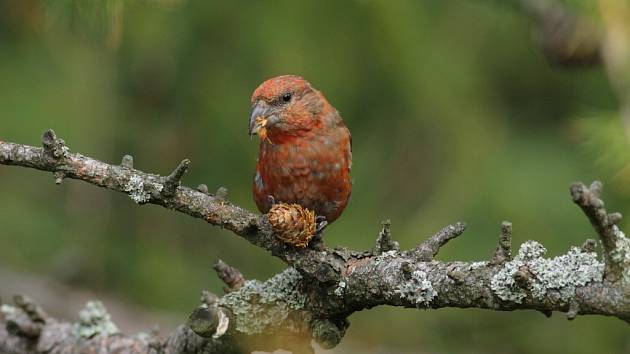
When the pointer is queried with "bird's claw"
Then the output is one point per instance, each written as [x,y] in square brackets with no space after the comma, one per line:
[321,224]
[271,200]
[317,241]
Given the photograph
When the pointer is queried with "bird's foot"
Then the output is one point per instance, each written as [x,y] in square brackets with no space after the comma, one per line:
[271,200]
[317,242]
[321,224]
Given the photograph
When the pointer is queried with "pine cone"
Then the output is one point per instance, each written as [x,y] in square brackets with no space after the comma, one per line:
[292,223]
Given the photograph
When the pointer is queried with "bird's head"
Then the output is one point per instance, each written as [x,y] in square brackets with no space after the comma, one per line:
[285,106]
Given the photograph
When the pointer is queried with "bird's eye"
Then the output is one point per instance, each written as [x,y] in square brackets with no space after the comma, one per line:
[286,97]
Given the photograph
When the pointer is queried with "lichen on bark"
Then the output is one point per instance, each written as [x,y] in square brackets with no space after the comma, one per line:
[540,276]
[313,298]
[257,305]
[95,320]
[621,253]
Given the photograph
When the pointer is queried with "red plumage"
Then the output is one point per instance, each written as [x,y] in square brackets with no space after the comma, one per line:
[305,148]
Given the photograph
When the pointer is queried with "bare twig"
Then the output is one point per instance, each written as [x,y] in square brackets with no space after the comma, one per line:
[503,253]
[431,246]
[127,161]
[208,298]
[384,241]
[172,181]
[54,148]
[231,276]
[221,193]
[616,245]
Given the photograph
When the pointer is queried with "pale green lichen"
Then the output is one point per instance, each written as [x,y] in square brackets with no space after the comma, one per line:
[621,253]
[562,274]
[407,281]
[138,190]
[259,305]
[95,320]
[418,289]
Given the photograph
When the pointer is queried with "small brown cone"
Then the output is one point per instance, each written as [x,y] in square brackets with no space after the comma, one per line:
[292,223]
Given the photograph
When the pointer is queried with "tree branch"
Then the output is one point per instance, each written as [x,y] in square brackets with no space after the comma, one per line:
[323,286]
[616,245]
[22,331]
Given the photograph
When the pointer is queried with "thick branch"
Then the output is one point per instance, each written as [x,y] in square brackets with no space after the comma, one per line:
[94,333]
[313,298]
[145,188]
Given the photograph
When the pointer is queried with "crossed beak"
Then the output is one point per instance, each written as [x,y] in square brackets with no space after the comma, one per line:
[260,119]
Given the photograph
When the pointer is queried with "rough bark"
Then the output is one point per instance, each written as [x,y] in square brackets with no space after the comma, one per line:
[312,299]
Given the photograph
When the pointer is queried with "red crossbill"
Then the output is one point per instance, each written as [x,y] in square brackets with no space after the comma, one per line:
[305,148]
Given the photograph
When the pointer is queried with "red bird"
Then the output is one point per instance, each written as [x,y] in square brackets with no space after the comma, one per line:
[305,148]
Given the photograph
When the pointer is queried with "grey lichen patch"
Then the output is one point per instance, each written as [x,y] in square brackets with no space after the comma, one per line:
[341,288]
[139,191]
[54,147]
[7,310]
[389,254]
[477,265]
[562,274]
[144,337]
[95,320]
[259,305]
[406,280]
[621,253]
[531,250]
[418,289]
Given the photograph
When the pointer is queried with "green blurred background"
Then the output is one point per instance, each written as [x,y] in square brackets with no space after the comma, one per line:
[455,115]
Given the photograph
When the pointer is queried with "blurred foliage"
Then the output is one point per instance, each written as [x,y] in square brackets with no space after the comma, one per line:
[454,111]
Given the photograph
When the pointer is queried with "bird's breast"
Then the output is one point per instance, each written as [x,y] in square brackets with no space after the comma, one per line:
[312,171]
